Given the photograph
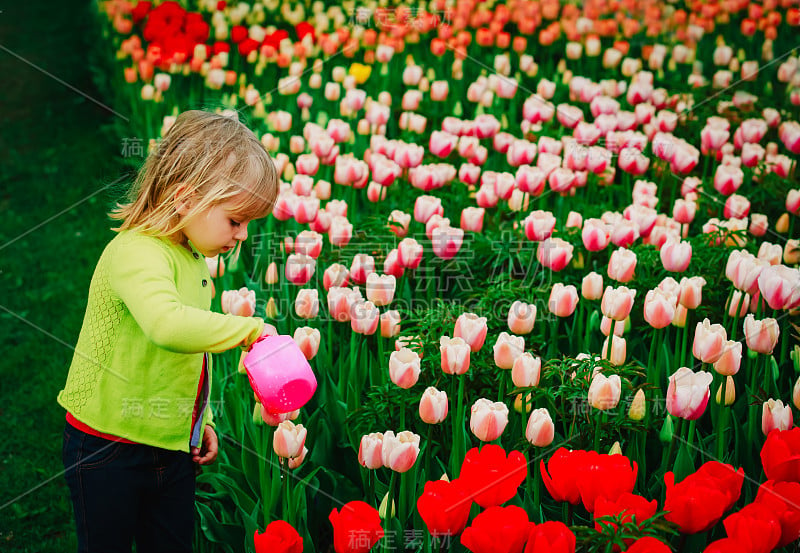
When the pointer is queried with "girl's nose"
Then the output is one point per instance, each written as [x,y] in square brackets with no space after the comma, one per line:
[241,233]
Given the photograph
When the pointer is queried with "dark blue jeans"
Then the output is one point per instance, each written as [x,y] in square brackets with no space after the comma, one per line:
[123,493]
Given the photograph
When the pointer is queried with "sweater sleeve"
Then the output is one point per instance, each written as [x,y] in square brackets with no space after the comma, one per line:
[142,276]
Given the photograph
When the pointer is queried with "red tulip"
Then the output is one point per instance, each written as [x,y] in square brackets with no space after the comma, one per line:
[559,475]
[756,527]
[278,537]
[551,537]
[627,505]
[784,500]
[491,477]
[780,455]
[725,545]
[444,507]
[697,503]
[648,544]
[602,475]
[725,479]
[356,528]
[498,530]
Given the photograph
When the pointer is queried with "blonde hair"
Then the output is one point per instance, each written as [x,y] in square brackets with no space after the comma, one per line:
[213,157]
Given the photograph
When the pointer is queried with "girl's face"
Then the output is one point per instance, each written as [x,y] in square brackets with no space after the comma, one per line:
[216,230]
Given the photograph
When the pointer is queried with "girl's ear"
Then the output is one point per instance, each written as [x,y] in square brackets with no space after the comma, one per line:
[183,199]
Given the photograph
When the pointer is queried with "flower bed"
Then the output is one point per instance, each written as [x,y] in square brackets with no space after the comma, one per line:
[546,253]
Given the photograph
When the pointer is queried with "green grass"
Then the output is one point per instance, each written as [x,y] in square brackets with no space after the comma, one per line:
[55,151]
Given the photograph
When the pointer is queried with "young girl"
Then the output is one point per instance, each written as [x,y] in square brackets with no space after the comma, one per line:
[137,392]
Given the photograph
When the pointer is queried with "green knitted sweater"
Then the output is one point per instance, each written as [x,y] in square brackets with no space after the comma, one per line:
[137,363]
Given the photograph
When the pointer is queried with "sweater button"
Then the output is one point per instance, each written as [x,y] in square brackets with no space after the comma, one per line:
[205,283]
[196,255]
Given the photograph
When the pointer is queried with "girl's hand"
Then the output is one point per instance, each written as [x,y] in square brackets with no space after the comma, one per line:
[210,447]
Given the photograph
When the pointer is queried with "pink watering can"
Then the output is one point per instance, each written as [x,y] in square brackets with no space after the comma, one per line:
[280,374]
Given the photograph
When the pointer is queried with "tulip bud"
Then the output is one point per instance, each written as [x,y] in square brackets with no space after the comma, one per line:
[540,430]
[383,507]
[390,323]
[271,310]
[297,461]
[730,391]
[526,371]
[667,430]
[271,276]
[782,226]
[796,393]
[241,368]
[307,339]
[618,350]
[472,329]
[257,420]
[521,317]
[370,451]
[638,408]
[616,449]
[528,403]
[592,286]
[306,305]
[761,336]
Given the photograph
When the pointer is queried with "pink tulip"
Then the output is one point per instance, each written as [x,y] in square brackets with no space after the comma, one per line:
[595,235]
[530,179]
[364,317]
[644,217]
[322,223]
[684,211]
[780,286]
[425,207]
[688,393]
[390,323]
[241,302]
[472,219]
[761,336]
[731,359]
[306,305]
[563,300]
[488,419]
[340,232]
[302,185]
[574,220]
[624,233]
[376,192]
[307,339]
[539,225]
[521,317]
[771,253]
[455,355]
[621,265]
[308,243]
[604,392]
[384,170]
[736,207]
[289,439]
[338,303]
[274,419]
[380,288]
[561,179]
[404,367]
[400,452]
[335,275]
[526,371]
[676,256]
[409,253]
[503,183]
[793,201]
[446,241]
[632,161]
[507,349]
[739,300]
[398,223]
[617,302]
[442,143]
[284,206]
[592,286]
[392,266]
[659,308]
[691,292]
[472,329]
[520,152]
[468,173]
[775,416]
[744,269]
[728,179]
[361,267]
[433,406]
[540,429]
[709,341]
[554,253]
[789,134]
